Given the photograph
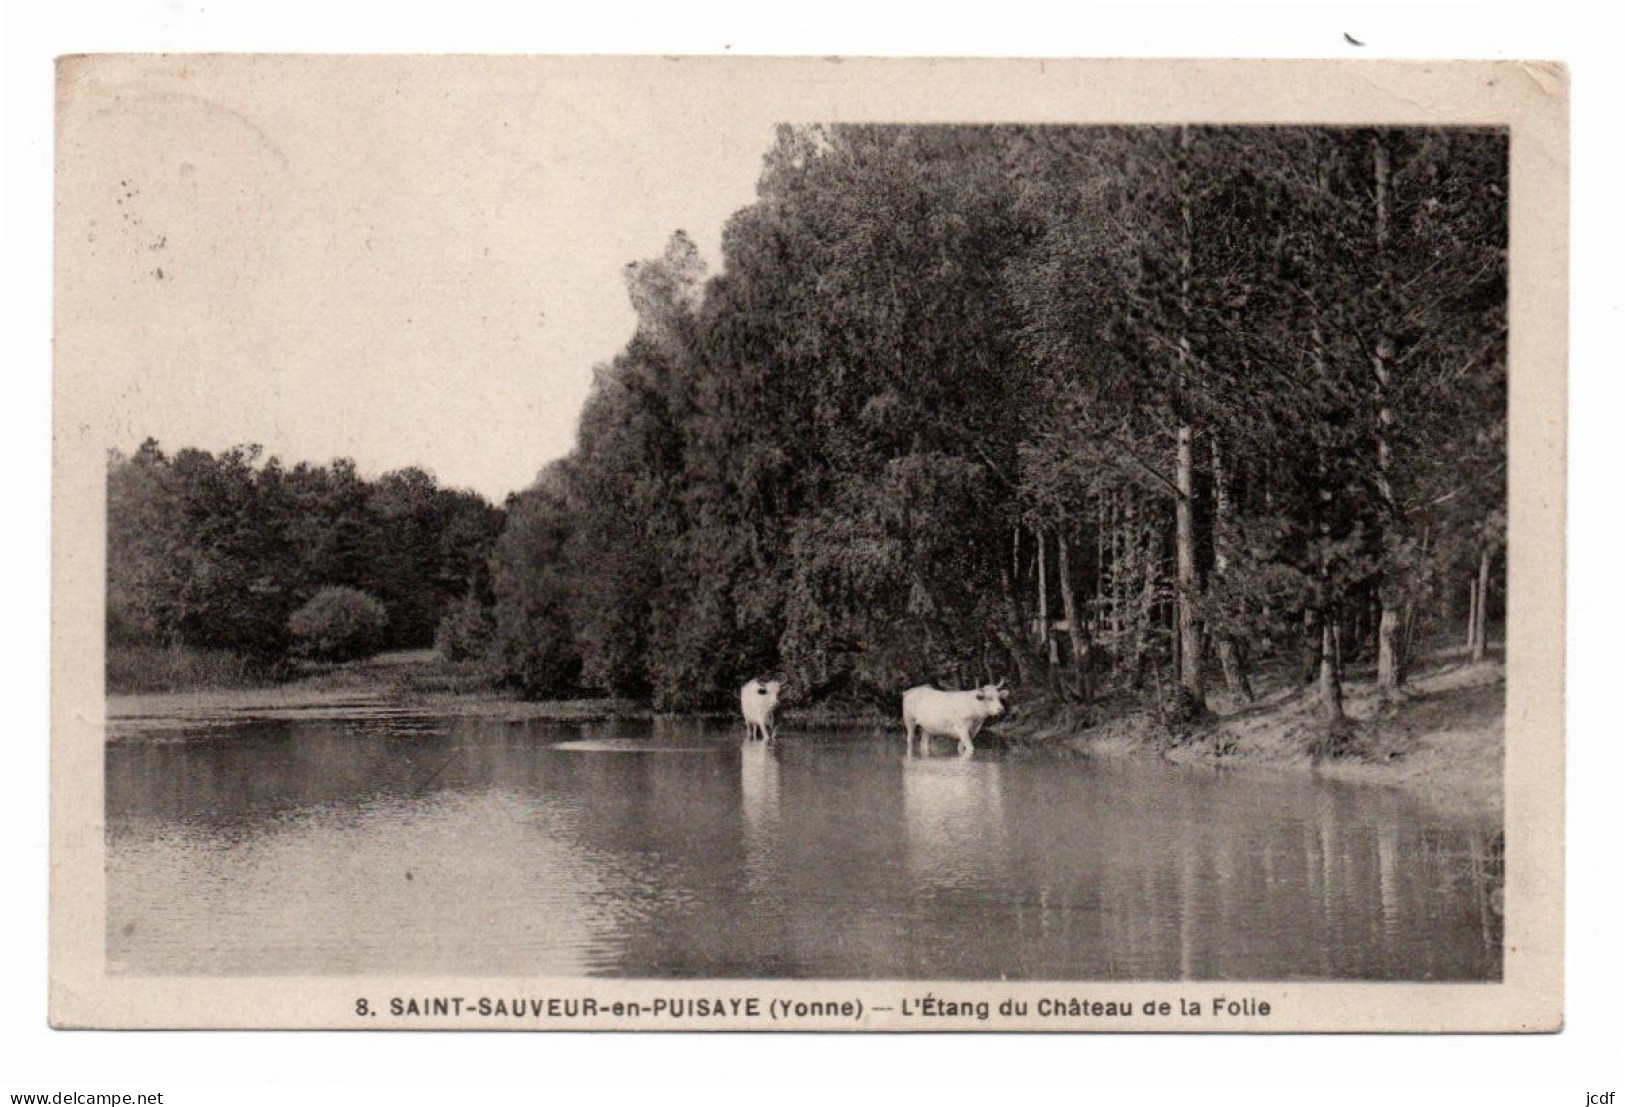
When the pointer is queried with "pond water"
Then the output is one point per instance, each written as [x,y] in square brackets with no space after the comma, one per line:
[423,846]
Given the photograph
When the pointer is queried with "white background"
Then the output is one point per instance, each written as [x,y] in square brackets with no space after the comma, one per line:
[417,1068]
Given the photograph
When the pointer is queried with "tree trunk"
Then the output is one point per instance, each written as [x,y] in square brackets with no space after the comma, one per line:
[1015,641]
[1141,535]
[1481,637]
[1408,618]
[1331,681]
[1390,674]
[1043,592]
[1120,577]
[1098,625]
[1472,615]
[1311,647]
[1235,673]
[1074,626]
[1190,628]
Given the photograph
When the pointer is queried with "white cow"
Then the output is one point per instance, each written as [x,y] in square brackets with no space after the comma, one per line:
[757,701]
[951,714]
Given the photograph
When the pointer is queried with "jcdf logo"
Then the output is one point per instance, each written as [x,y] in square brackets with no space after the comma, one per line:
[1599,1099]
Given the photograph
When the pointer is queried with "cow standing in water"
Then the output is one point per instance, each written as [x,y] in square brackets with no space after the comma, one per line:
[757,701]
[951,714]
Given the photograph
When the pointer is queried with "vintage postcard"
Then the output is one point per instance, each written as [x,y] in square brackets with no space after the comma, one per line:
[564,543]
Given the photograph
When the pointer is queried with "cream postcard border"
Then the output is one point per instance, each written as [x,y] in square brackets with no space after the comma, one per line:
[1529,98]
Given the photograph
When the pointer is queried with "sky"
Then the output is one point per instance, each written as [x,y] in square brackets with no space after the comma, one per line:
[391,260]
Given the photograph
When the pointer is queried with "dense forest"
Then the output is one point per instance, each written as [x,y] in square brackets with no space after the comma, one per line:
[219,552]
[1093,408]
[1096,409]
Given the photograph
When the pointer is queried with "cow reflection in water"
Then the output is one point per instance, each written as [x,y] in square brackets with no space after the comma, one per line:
[759,787]
[954,818]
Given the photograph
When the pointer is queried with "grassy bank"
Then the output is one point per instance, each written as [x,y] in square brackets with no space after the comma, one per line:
[136,669]
[181,669]
[390,683]
[188,684]
[1445,739]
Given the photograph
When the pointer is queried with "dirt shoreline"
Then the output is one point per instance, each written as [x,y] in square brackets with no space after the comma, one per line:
[1445,741]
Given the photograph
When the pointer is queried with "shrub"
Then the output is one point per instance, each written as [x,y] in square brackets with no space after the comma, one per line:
[1181,707]
[532,649]
[464,633]
[339,624]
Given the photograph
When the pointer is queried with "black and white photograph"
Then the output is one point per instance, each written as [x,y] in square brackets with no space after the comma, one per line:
[627,541]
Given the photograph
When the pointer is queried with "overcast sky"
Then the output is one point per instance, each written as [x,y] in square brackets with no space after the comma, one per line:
[404,264]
